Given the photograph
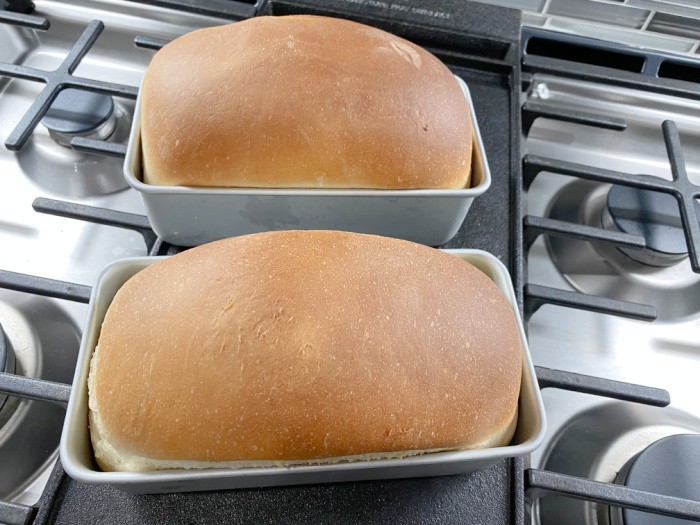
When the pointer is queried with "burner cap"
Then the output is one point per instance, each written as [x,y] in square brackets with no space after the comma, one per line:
[78,111]
[654,216]
[670,466]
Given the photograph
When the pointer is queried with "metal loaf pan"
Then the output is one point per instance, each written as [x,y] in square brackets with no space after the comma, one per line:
[187,216]
[77,455]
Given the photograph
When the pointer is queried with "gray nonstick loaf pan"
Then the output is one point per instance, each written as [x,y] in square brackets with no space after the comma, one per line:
[187,216]
[77,455]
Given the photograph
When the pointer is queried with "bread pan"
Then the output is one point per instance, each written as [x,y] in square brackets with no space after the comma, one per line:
[187,216]
[76,449]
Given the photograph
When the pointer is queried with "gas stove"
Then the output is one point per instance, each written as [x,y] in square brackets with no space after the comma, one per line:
[609,292]
[642,260]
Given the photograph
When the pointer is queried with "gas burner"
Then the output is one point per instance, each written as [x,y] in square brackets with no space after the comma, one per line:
[652,215]
[621,442]
[605,270]
[65,172]
[44,342]
[670,466]
[77,113]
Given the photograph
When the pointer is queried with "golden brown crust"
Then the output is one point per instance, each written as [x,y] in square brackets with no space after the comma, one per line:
[306,345]
[302,102]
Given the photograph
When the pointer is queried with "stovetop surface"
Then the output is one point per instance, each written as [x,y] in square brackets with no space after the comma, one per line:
[588,436]
[74,251]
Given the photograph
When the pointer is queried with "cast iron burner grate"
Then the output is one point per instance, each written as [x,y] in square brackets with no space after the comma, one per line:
[607,68]
[680,188]
[540,483]
[56,81]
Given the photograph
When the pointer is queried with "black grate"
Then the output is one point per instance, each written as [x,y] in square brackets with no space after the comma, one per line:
[534,110]
[45,287]
[22,20]
[146,42]
[611,65]
[230,9]
[56,81]
[37,389]
[684,191]
[680,187]
[540,483]
[104,147]
[129,221]
[99,147]
[4,361]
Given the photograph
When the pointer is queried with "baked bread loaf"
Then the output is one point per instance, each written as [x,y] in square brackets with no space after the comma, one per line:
[302,102]
[302,347]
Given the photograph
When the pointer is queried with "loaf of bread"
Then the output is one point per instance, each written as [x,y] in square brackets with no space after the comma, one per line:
[302,347]
[302,102]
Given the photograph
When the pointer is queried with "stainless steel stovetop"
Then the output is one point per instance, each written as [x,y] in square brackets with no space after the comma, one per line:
[664,353]
[596,435]
[61,248]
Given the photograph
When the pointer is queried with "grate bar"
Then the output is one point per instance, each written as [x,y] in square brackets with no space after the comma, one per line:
[58,80]
[100,147]
[15,514]
[534,164]
[23,72]
[81,47]
[551,378]
[592,73]
[119,219]
[100,86]
[531,111]
[536,226]
[541,483]
[22,20]
[146,42]
[37,389]
[686,194]
[30,119]
[537,295]
[45,287]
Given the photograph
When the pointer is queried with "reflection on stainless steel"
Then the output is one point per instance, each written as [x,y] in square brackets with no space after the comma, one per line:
[663,354]
[54,247]
[44,341]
